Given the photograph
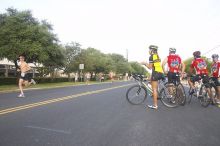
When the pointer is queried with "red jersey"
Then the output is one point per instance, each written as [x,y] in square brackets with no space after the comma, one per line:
[216,69]
[200,66]
[174,62]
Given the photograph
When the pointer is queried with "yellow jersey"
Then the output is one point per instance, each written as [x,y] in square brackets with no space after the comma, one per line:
[156,63]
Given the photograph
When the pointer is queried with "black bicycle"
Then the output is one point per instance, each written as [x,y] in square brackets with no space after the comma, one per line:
[137,94]
[203,92]
[178,88]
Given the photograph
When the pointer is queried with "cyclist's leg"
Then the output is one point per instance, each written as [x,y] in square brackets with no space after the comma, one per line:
[171,80]
[191,81]
[207,85]
[218,94]
[217,88]
[154,83]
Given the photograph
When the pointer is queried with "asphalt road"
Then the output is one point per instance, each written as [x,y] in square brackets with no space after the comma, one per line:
[99,115]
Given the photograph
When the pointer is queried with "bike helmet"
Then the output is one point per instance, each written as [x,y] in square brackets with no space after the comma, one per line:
[152,47]
[197,54]
[215,56]
[172,50]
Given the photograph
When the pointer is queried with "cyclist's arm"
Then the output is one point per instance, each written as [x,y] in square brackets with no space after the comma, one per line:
[183,67]
[190,70]
[164,63]
[148,65]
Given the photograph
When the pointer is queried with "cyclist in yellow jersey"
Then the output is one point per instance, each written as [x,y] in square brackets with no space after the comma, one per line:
[157,72]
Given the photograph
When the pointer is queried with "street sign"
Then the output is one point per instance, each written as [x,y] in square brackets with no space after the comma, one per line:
[81,66]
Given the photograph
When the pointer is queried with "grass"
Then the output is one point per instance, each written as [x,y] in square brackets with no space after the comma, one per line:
[8,88]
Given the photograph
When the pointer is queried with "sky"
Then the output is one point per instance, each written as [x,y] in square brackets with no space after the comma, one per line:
[114,26]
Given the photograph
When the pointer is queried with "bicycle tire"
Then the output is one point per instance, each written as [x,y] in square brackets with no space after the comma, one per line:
[137,98]
[204,97]
[183,96]
[168,100]
[189,96]
[213,90]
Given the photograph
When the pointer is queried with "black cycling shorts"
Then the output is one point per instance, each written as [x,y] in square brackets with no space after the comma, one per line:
[204,77]
[216,81]
[173,77]
[156,76]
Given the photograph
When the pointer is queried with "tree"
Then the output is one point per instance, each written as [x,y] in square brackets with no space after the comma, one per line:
[22,34]
[71,51]
[56,60]
[137,68]
[120,63]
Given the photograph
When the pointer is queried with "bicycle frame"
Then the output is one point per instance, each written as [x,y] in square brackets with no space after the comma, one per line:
[146,85]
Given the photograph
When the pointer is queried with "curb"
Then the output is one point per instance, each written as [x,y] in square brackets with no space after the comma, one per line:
[54,87]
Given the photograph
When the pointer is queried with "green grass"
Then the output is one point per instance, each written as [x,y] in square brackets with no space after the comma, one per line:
[5,88]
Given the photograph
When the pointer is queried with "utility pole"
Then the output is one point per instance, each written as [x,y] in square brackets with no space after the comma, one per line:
[127,54]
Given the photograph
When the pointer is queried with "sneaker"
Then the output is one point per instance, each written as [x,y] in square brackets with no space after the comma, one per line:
[33,81]
[21,95]
[152,106]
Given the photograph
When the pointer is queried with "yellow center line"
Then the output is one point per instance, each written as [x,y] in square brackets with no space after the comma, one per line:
[32,105]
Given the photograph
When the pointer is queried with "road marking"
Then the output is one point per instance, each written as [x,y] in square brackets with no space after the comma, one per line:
[48,129]
[41,103]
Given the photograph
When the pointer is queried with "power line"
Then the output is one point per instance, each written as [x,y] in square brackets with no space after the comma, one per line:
[211,50]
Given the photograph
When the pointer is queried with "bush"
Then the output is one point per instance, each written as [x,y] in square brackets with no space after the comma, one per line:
[8,81]
[52,80]
[14,80]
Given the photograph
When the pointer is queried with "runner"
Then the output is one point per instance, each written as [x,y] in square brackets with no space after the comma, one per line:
[24,78]
[111,76]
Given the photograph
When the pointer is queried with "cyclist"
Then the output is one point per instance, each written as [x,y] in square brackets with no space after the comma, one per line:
[200,66]
[174,63]
[157,72]
[216,75]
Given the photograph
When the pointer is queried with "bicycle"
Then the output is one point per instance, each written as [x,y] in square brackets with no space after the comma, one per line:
[178,87]
[201,92]
[137,94]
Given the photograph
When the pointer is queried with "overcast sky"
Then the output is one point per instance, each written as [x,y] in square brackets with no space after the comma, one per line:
[113,26]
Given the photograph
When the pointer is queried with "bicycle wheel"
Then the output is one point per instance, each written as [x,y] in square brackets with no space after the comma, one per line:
[204,97]
[136,94]
[214,95]
[168,96]
[190,96]
[181,93]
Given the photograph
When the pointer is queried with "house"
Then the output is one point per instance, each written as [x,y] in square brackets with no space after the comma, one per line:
[7,68]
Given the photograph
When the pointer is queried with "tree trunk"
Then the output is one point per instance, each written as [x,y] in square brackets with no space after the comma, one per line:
[6,70]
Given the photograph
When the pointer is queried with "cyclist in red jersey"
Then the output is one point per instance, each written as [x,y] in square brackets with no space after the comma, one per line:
[174,63]
[200,67]
[216,75]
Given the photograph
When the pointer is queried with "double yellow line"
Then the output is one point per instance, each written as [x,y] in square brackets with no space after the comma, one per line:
[32,105]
